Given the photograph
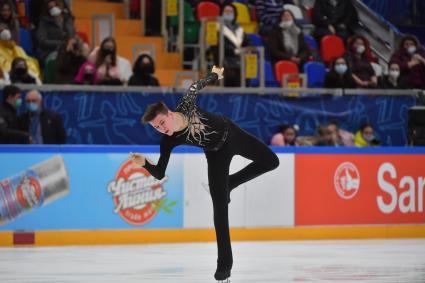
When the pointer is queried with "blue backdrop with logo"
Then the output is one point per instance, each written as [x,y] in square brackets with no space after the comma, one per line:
[114,118]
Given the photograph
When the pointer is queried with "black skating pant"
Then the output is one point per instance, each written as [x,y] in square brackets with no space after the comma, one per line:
[239,142]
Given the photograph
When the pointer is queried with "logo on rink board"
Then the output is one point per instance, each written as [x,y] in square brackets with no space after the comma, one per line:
[29,192]
[137,195]
[347,180]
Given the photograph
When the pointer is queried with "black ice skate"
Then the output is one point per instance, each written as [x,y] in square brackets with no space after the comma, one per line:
[222,276]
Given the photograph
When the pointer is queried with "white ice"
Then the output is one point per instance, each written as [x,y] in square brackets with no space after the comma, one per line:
[287,261]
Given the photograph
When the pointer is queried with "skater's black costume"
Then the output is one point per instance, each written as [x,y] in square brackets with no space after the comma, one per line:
[221,139]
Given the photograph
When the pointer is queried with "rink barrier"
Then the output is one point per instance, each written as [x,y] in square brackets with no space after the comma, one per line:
[163,236]
[276,206]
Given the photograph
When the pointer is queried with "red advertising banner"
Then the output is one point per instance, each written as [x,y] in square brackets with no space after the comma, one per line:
[359,189]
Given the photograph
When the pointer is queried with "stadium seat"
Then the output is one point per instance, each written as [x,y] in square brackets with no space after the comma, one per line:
[331,47]
[255,39]
[311,41]
[26,41]
[315,72]
[244,18]
[269,78]
[207,9]
[284,67]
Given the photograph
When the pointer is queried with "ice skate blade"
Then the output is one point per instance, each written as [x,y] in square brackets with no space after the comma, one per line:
[224,281]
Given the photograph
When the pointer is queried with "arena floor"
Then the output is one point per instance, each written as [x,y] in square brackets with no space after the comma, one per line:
[288,261]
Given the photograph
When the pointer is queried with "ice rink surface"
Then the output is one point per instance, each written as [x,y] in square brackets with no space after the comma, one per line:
[287,261]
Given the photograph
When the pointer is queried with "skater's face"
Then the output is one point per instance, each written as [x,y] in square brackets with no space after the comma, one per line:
[164,123]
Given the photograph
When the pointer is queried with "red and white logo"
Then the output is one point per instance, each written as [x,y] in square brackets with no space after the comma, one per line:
[347,180]
[29,192]
[136,193]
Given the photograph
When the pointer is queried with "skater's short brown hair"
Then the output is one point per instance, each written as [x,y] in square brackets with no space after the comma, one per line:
[153,110]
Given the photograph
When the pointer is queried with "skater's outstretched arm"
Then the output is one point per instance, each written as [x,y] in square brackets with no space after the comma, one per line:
[158,171]
[188,101]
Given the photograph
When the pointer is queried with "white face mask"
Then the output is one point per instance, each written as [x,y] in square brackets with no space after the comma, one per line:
[5,35]
[360,49]
[341,68]
[394,73]
[286,24]
[55,11]
[411,49]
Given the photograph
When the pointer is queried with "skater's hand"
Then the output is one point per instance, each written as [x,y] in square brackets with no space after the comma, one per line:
[218,71]
[137,158]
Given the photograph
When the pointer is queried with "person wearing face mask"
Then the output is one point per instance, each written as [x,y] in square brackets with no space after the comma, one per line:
[44,126]
[411,58]
[53,30]
[234,39]
[19,73]
[339,75]
[71,56]
[269,14]
[8,17]
[143,71]
[10,132]
[9,50]
[86,74]
[392,79]
[365,136]
[287,136]
[334,17]
[360,57]
[112,69]
[286,41]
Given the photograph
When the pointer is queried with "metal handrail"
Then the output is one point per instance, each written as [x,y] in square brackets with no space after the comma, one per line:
[260,50]
[220,90]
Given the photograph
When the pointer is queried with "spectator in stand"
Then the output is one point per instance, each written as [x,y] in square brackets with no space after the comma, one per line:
[87,74]
[392,80]
[143,71]
[340,75]
[365,136]
[287,136]
[411,59]
[111,68]
[4,77]
[39,9]
[340,136]
[44,126]
[269,14]
[234,40]
[325,137]
[71,56]
[334,17]
[360,57]
[8,17]
[53,30]
[9,126]
[9,50]
[286,41]
[19,73]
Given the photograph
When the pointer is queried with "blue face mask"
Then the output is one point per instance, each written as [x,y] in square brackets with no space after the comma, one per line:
[32,106]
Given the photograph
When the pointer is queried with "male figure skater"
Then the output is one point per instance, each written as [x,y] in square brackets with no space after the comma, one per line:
[221,139]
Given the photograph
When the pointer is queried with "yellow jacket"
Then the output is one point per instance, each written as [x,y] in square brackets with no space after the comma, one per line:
[9,51]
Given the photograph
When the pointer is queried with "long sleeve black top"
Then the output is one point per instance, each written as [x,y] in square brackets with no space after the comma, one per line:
[205,130]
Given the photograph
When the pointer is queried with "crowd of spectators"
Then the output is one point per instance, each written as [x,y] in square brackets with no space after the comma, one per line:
[62,56]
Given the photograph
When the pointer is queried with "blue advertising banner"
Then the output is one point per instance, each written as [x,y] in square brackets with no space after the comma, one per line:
[114,118]
[105,191]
